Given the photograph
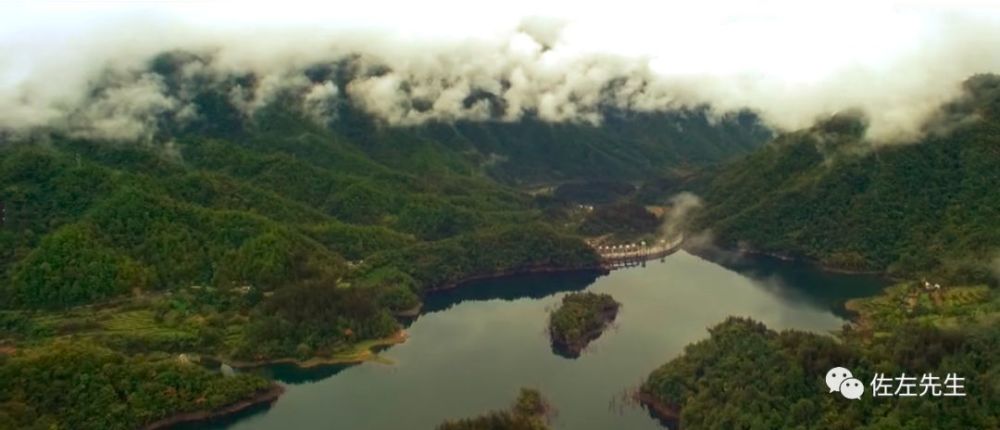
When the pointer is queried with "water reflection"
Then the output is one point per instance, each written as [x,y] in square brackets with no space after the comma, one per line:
[472,348]
[798,282]
[293,375]
[534,286]
[225,422]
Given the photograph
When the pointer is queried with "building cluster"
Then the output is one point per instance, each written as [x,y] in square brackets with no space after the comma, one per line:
[929,286]
[637,249]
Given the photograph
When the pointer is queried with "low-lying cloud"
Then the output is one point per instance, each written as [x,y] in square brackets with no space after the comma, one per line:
[681,207]
[106,89]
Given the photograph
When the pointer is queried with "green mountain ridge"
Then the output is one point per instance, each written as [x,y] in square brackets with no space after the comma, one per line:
[928,207]
[625,145]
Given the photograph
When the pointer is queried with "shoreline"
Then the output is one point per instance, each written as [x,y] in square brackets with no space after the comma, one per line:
[671,414]
[361,353]
[364,352]
[819,264]
[814,262]
[573,349]
[410,313]
[599,265]
[861,321]
[659,410]
[268,396]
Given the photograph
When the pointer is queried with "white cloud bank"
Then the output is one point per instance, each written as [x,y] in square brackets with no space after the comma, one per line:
[790,61]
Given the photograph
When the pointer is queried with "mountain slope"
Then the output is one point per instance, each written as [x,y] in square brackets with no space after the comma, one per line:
[925,207]
[625,146]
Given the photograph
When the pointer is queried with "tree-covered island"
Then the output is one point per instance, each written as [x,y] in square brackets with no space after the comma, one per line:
[580,319]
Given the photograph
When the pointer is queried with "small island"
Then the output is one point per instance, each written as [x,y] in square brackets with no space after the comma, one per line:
[529,412]
[580,319]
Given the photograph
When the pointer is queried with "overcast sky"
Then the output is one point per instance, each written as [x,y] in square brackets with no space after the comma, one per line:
[799,40]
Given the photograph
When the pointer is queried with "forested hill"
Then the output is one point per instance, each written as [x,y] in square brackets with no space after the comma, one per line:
[88,221]
[823,193]
[624,145]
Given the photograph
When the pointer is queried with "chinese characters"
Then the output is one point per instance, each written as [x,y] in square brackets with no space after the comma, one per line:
[911,386]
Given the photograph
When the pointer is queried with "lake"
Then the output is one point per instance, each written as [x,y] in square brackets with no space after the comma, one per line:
[473,347]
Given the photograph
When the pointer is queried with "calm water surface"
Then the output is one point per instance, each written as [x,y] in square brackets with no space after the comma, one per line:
[475,346]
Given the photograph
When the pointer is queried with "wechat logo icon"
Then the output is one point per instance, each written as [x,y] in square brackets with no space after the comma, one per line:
[841,380]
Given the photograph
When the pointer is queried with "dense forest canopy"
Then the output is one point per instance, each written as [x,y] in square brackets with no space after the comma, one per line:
[269,233]
[748,376]
[529,412]
[83,386]
[928,207]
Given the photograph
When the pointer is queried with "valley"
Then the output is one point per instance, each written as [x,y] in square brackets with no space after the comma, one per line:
[377,239]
